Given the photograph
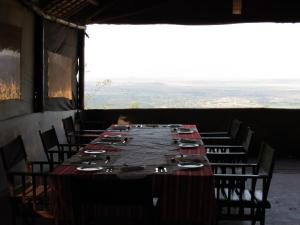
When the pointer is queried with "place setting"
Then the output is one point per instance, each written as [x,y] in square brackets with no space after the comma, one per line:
[187,161]
[183,130]
[99,165]
[111,140]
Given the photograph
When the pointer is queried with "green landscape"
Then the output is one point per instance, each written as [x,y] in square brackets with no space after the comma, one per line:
[110,94]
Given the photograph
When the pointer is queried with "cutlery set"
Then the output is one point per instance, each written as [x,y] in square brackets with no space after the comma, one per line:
[161,169]
[109,170]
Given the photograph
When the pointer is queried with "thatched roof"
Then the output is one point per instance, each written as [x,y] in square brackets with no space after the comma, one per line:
[83,12]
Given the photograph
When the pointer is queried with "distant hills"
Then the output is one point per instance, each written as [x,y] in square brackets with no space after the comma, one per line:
[283,93]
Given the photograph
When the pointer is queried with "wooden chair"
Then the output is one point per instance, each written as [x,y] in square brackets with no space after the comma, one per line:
[242,190]
[27,183]
[92,126]
[232,136]
[134,194]
[78,137]
[231,153]
[53,147]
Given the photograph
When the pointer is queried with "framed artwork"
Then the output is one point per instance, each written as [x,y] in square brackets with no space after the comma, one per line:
[59,76]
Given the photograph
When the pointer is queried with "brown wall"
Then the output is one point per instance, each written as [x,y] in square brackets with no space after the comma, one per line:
[13,13]
[17,117]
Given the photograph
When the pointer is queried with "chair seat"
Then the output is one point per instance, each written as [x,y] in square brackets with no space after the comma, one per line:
[28,193]
[45,214]
[236,199]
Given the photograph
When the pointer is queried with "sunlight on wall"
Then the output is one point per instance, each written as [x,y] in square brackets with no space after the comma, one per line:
[9,90]
[59,76]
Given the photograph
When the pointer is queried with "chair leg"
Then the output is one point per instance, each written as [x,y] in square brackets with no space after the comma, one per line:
[253,222]
[262,219]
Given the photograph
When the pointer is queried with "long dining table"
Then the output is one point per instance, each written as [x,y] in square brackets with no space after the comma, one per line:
[173,156]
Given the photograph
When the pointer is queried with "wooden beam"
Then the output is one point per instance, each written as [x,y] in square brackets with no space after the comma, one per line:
[39,12]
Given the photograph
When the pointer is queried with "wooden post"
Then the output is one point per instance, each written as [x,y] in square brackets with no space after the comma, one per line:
[81,35]
[39,66]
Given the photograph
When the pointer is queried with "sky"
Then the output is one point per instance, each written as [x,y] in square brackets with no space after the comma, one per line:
[192,53]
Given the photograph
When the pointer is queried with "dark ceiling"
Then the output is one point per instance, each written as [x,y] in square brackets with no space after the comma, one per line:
[189,12]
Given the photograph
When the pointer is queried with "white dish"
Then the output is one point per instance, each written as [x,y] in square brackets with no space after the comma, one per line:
[94,151]
[120,127]
[190,165]
[174,125]
[112,136]
[89,169]
[185,131]
[188,145]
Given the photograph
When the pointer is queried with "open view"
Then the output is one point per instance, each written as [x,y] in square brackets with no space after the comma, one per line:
[175,66]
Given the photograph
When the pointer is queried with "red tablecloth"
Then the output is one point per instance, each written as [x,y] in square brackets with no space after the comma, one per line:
[186,195]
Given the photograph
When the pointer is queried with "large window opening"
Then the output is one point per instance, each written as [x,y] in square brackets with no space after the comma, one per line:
[173,66]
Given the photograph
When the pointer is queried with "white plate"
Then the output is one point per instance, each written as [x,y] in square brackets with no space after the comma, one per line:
[94,151]
[190,165]
[89,169]
[120,127]
[112,136]
[174,125]
[185,131]
[188,145]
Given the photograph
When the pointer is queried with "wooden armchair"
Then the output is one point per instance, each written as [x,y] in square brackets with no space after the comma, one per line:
[78,136]
[241,190]
[27,183]
[52,146]
[230,136]
[231,153]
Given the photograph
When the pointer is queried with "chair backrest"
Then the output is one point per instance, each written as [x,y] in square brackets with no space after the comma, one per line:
[49,141]
[247,139]
[13,153]
[234,128]
[266,161]
[68,128]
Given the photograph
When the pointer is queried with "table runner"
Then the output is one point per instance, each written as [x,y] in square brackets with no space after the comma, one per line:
[186,195]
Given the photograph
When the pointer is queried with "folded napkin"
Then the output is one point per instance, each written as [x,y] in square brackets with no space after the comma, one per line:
[132,168]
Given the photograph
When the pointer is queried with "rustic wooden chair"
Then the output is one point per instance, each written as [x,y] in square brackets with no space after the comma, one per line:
[231,136]
[242,190]
[52,146]
[231,153]
[74,136]
[92,126]
[27,183]
[232,130]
